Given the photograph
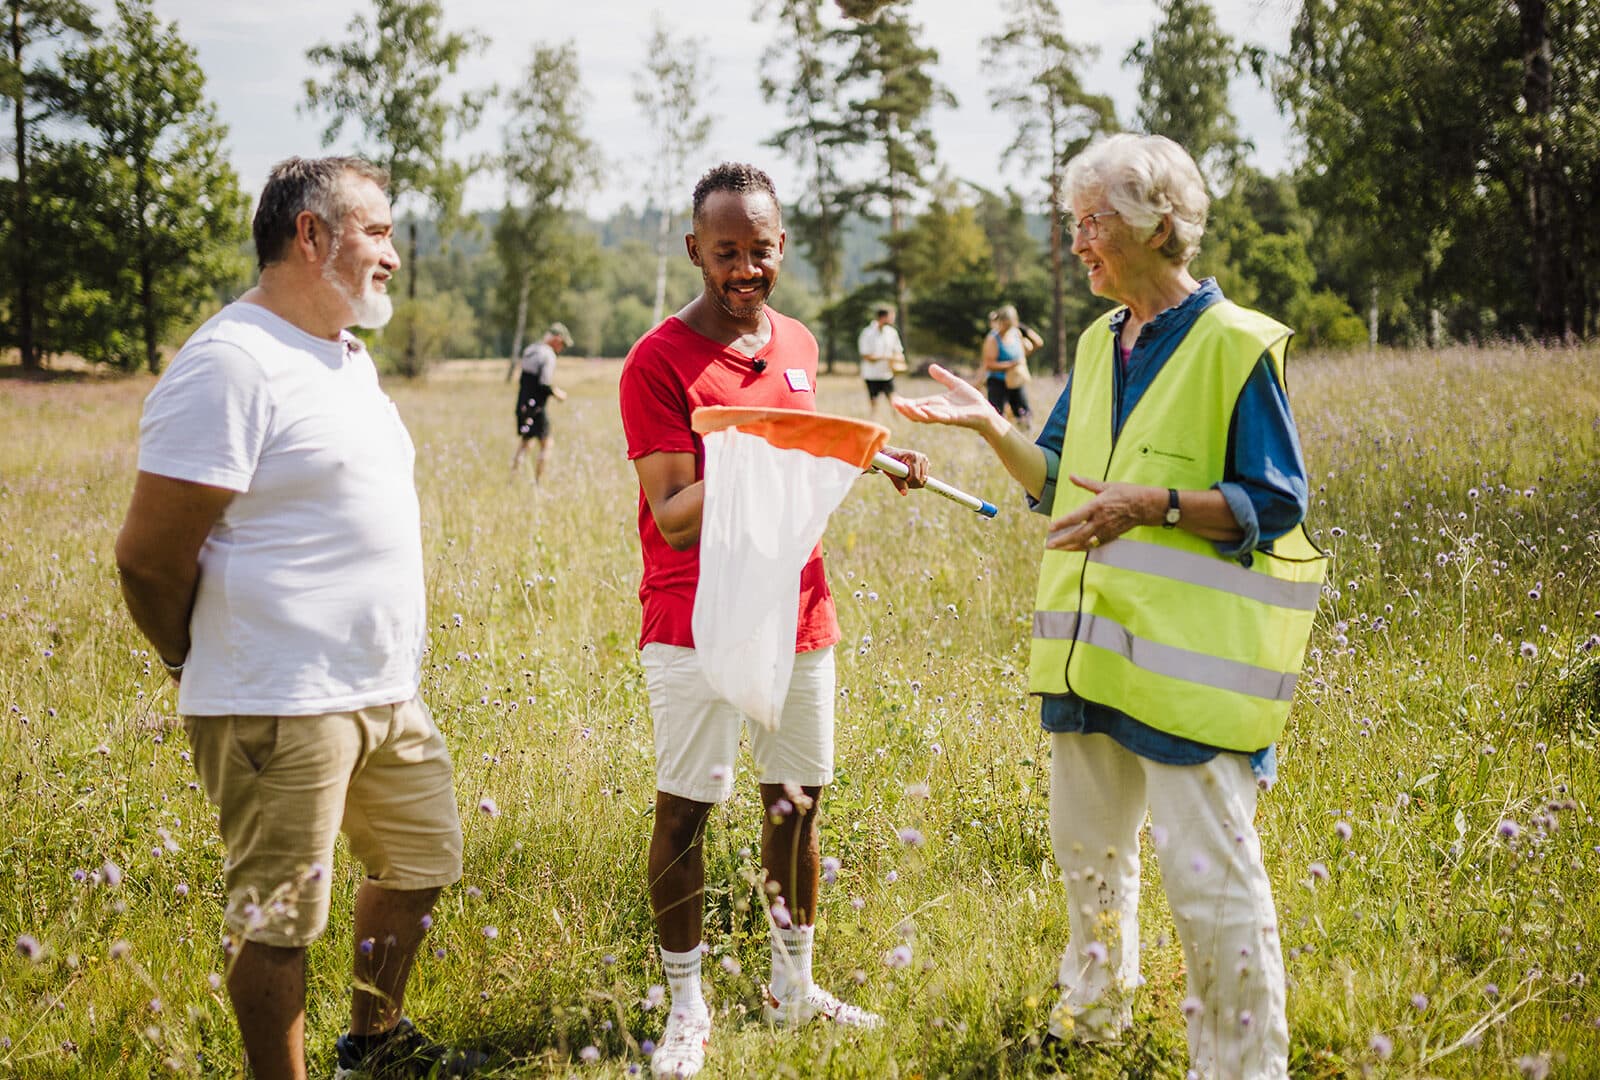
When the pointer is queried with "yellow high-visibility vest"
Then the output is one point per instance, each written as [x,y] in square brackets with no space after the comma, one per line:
[1156,623]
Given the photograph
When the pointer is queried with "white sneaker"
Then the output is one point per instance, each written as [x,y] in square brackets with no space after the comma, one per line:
[814,1003]
[1096,1024]
[682,1050]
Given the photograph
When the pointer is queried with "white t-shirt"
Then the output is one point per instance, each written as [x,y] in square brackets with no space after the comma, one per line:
[311,590]
[540,359]
[877,340]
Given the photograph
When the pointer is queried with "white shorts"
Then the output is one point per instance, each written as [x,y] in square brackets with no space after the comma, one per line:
[697,732]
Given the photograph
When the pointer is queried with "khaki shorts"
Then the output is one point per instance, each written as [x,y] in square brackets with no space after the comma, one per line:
[285,787]
[697,732]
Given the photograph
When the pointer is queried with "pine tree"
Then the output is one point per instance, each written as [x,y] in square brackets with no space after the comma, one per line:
[388,79]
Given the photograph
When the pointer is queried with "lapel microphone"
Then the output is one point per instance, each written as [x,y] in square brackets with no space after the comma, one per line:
[758,366]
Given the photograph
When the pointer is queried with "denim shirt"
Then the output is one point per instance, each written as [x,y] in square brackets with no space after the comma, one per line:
[1265,487]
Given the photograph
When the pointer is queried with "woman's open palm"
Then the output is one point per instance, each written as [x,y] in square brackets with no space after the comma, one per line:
[962,404]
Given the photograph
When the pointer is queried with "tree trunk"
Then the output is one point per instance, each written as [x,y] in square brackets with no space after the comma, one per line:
[409,364]
[522,326]
[20,222]
[144,268]
[1372,322]
[1058,276]
[826,278]
[1549,288]
[662,232]
[897,217]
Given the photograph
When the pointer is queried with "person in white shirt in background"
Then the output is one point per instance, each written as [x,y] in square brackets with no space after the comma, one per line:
[537,387]
[881,357]
[272,555]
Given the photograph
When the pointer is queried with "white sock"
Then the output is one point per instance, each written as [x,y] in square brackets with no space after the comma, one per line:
[791,961]
[683,978]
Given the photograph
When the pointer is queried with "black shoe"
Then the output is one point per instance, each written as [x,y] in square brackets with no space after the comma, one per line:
[404,1052]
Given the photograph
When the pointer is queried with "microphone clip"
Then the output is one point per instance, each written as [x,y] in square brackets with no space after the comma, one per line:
[758,366]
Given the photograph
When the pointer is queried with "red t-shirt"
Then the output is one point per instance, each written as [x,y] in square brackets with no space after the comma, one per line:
[669,373]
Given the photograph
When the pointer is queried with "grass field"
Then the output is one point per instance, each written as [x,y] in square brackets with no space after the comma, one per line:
[1430,839]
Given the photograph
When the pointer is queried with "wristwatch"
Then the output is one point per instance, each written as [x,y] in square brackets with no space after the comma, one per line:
[1173,512]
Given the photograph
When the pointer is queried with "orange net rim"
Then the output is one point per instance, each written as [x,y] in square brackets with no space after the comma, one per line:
[819,434]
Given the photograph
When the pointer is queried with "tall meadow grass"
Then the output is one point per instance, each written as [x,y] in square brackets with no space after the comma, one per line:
[1430,838]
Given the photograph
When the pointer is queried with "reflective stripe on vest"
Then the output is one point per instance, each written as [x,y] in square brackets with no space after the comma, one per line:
[1165,659]
[1155,623]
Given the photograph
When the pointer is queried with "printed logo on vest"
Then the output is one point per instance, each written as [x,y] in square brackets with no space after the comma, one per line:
[1172,455]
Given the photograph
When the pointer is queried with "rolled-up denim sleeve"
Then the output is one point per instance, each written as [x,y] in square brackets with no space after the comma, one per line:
[1266,486]
[1050,439]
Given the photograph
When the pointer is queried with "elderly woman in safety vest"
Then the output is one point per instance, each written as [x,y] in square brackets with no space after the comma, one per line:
[1175,599]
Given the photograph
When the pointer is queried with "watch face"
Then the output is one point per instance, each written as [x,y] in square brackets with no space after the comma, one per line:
[1173,515]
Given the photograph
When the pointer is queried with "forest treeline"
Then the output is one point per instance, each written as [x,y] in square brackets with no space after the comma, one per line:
[1445,189]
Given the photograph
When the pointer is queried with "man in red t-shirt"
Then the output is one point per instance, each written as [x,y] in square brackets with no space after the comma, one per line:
[726,347]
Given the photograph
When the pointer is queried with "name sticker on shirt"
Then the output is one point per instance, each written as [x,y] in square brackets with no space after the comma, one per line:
[796,377]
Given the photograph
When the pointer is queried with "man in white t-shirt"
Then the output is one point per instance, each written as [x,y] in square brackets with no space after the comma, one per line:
[537,387]
[881,356]
[272,554]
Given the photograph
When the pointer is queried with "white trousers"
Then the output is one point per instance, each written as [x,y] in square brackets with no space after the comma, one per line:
[1202,823]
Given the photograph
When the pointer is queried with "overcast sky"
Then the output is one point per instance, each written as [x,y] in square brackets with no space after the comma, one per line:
[253,53]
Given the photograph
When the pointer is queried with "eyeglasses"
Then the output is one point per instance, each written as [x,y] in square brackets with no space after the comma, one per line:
[1088,224]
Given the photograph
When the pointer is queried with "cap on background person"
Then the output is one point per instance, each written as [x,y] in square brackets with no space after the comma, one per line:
[560,330]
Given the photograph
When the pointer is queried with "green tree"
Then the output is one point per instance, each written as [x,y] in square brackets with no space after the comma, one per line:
[945,239]
[1004,219]
[668,92]
[171,210]
[1186,67]
[799,68]
[547,160]
[1055,117]
[38,92]
[388,78]
[893,93]
[1453,153]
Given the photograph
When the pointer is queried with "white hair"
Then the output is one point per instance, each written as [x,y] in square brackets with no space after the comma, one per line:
[1145,178]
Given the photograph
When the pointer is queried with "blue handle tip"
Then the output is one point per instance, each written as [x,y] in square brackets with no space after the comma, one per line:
[988,510]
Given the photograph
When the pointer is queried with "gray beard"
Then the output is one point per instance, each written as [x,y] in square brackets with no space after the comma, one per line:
[369,309]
